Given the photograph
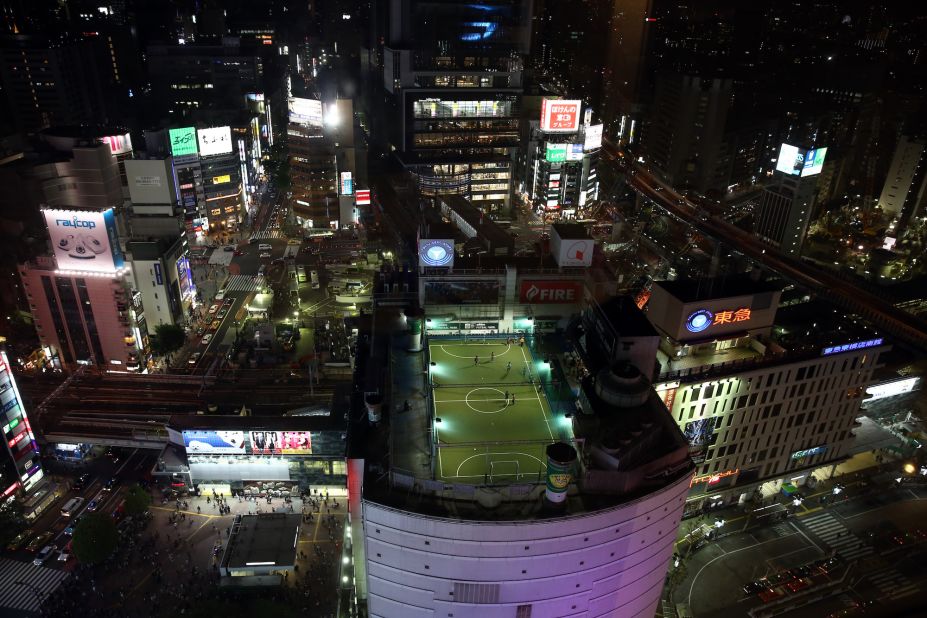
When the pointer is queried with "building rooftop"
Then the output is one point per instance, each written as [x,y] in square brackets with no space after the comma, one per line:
[693,290]
[573,231]
[268,539]
[486,228]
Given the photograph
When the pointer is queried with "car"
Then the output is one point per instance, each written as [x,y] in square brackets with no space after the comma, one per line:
[278,260]
[228,248]
[72,526]
[19,540]
[92,506]
[228,302]
[237,252]
[65,554]
[222,314]
[43,555]
[771,594]
[207,338]
[798,584]
[220,294]
[39,541]
[200,330]
[779,578]
[265,256]
[214,325]
[110,484]
[754,587]
[214,308]
[194,358]
[81,482]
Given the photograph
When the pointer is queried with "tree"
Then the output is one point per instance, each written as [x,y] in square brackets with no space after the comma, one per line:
[167,338]
[137,500]
[94,539]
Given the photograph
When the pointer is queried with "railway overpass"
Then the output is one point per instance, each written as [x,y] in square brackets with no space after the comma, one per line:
[906,328]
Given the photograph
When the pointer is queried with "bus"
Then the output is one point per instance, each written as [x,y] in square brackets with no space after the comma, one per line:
[314,279]
[301,273]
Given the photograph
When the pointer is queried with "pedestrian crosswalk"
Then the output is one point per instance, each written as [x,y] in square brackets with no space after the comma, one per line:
[837,536]
[24,586]
[244,283]
[265,234]
[891,583]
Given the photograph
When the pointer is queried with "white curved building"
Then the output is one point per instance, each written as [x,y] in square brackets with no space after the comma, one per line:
[600,549]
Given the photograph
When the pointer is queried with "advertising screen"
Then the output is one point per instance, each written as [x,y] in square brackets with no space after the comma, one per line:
[574,152]
[296,443]
[82,240]
[560,116]
[305,111]
[266,442]
[347,183]
[183,141]
[814,161]
[550,292]
[210,441]
[214,141]
[433,252]
[788,158]
[118,144]
[593,137]
[556,153]
[891,389]
[575,252]
[362,197]
[462,292]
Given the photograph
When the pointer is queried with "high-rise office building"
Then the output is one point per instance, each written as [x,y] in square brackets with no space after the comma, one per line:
[787,203]
[453,75]
[904,194]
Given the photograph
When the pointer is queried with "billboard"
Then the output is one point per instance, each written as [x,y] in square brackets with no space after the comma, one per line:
[556,153]
[814,161]
[84,240]
[347,183]
[183,141]
[891,389]
[432,252]
[575,252]
[471,292]
[799,162]
[574,152]
[550,292]
[362,197]
[214,141]
[118,144]
[210,441]
[593,137]
[305,111]
[560,116]
[150,181]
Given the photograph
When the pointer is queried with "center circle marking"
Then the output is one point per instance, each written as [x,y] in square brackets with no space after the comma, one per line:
[491,402]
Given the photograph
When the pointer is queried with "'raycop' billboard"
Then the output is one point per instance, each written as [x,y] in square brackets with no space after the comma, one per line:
[84,240]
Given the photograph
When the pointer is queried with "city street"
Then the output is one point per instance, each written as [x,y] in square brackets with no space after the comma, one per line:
[864,531]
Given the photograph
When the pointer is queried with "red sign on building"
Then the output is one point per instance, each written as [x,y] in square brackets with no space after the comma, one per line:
[362,197]
[551,292]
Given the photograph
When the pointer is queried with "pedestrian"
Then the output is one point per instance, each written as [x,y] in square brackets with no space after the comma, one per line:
[506,396]
[508,366]
[476,360]
[492,356]
[513,399]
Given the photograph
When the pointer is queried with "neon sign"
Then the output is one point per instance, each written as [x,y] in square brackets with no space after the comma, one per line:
[859,345]
[808,452]
[703,318]
[712,479]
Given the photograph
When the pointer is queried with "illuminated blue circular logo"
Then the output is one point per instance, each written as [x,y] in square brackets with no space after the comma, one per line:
[436,253]
[699,320]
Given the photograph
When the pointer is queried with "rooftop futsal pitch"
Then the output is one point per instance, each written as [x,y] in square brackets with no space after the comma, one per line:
[495,421]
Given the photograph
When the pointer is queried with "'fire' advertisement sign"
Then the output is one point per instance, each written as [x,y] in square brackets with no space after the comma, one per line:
[550,292]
